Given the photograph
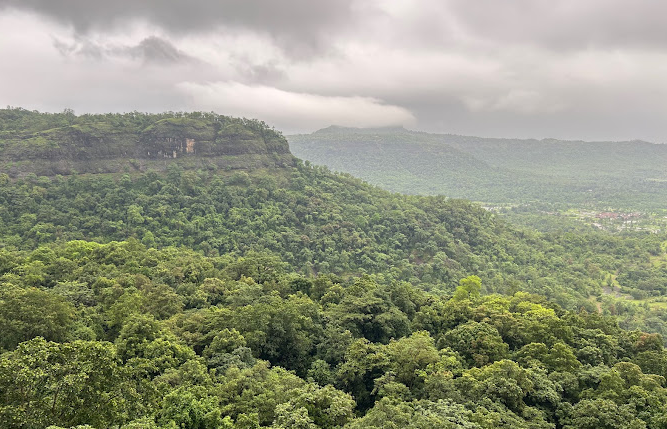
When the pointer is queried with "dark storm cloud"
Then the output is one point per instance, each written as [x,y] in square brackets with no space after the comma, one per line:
[298,24]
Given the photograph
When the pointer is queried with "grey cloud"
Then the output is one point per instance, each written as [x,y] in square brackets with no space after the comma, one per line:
[150,50]
[157,50]
[261,73]
[573,69]
[581,121]
[80,47]
[294,111]
[298,25]
[565,24]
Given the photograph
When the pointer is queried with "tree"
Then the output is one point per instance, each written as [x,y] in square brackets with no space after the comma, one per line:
[367,311]
[29,313]
[601,414]
[192,408]
[469,288]
[410,356]
[44,383]
[477,342]
[389,414]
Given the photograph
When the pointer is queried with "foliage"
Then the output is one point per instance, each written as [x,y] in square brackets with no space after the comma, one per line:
[296,351]
[297,298]
[626,175]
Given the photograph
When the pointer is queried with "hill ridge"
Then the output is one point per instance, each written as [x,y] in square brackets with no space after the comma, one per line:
[380,130]
[493,170]
[53,144]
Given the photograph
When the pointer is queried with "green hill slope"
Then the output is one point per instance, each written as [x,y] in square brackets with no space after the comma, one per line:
[617,174]
[315,221]
[236,287]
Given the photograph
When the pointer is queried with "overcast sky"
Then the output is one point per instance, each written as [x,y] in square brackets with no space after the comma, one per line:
[575,69]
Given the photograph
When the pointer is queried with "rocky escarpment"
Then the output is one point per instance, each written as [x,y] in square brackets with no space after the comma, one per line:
[117,143]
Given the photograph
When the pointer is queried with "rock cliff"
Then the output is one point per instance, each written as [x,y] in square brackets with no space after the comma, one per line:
[114,143]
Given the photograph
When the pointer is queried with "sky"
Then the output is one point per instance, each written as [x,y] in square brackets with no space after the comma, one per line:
[569,69]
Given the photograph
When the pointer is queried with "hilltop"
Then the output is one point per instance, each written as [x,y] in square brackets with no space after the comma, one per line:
[63,143]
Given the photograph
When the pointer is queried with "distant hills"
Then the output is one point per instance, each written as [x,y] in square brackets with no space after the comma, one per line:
[625,174]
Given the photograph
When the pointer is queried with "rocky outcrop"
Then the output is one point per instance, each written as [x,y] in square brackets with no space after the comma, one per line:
[101,147]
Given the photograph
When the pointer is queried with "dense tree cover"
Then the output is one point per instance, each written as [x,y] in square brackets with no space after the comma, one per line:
[149,338]
[18,121]
[624,175]
[207,297]
[318,222]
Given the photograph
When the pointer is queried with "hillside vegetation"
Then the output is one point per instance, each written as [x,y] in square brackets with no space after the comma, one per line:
[624,175]
[318,222]
[62,143]
[211,290]
[117,334]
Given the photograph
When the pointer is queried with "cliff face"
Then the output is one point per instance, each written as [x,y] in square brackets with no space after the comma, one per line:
[102,146]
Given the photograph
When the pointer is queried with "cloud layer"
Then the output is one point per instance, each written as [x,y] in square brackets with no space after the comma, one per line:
[528,68]
[282,107]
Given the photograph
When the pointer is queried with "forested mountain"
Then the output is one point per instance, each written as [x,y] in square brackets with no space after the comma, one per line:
[63,143]
[619,174]
[234,286]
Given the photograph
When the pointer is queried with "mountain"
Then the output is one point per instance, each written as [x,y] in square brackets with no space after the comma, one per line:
[45,144]
[617,174]
[235,286]
[315,221]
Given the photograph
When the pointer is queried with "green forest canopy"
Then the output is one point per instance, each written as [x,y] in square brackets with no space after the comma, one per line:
[288,296]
